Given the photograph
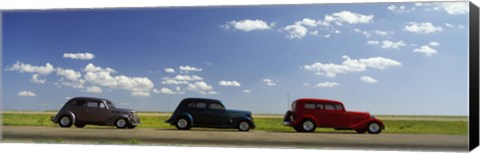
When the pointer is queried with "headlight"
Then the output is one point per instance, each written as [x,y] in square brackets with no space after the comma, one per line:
[372,116]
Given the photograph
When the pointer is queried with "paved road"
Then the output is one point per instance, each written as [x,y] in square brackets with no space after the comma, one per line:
[253,138]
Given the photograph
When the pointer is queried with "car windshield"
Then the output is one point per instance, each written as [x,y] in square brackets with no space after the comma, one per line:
[110,104]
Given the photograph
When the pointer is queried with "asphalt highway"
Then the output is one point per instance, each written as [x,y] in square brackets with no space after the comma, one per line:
[254,138]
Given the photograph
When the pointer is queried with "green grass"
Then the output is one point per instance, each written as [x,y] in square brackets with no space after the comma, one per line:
[266,124]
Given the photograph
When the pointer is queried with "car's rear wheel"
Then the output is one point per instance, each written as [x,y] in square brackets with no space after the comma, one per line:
[79,125]
[183,124]
[65,121]
[243,126]
[374,128]
[307,125]
[121,123]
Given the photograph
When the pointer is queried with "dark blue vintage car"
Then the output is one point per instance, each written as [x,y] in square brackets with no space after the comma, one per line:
[202,112]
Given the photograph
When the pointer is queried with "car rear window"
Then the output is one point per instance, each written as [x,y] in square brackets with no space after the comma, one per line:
[309,106]
[79,103]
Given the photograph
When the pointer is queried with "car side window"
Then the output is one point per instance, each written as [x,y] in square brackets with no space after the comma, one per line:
[309,106]
[78,103]
[329,107]
[201,105]
[102,105]
[92,104]
[338,107]
[216,106]
[319,106]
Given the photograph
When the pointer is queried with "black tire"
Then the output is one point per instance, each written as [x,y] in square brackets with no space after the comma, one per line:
[307,125]
[121,123]
[183,123]
[130,126]
[374,128]
[65,121]
[298,128]
[243,126]
[80,125]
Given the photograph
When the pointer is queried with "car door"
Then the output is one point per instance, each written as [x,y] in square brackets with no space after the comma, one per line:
[199,112]
[217,114]
[334,116]
[96,112]
[78,109]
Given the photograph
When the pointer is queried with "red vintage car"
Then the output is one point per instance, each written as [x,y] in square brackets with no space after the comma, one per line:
[309,113]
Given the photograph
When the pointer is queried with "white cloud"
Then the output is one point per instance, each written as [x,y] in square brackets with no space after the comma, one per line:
[140,94]
[372,42]
[350,65]
[422,28]
[452,8]
[248,25]
[400,9]
[139,86]
[296,31]
[434,43]
[189,68]
[425,49]
[167,80]
[368,34]
[94,89]
[391,44]
[386,44]
[454,26]
[35,79]
[326,85]
[247,91]
[188,78]
[169,70]
[79,56]
[26,93]
[169,91]
[306,84]
[229,83]
[77,84]
[181,79]
[348,17]
[269,82]
[201,87]
[22,67]
[69,74]
[368,79]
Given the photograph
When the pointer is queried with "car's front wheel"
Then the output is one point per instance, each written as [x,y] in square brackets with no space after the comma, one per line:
[307,125]
[65,121]
[374,128]
[243,126]
[121,123]
[182,124]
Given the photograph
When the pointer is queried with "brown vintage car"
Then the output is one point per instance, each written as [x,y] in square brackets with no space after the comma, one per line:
[80,111]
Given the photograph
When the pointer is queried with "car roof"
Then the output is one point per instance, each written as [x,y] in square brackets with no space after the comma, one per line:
[90,98]
[200,99]
[302,100]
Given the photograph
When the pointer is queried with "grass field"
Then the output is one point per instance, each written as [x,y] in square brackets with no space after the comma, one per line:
[459,126]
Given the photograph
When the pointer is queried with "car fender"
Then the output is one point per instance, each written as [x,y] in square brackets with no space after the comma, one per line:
[68,113]
[364,124]
[113,119]
[189,117]
[313,118]
[236,120]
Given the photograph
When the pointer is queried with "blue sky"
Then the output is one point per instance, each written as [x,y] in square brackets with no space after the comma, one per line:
[384,58]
